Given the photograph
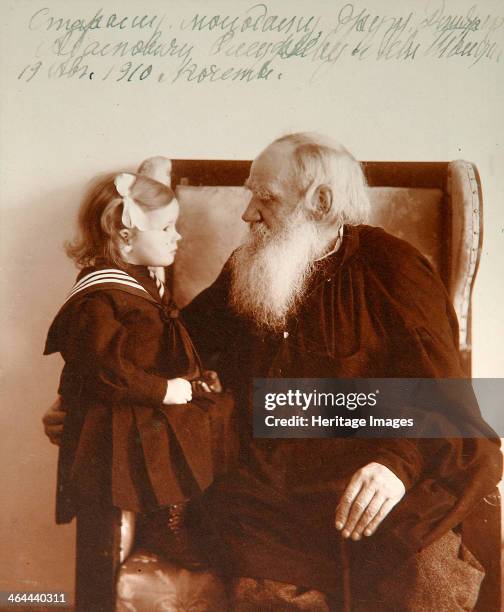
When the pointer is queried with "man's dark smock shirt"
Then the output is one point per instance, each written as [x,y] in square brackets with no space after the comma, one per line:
[374,309]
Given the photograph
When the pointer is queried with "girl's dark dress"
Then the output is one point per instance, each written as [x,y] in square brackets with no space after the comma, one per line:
[120,444]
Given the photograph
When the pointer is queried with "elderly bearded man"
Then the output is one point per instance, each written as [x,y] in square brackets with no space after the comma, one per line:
[313,293]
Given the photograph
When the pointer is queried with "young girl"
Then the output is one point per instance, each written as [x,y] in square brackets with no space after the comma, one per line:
[136,435]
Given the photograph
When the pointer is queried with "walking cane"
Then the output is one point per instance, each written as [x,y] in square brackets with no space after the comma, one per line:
[345,570]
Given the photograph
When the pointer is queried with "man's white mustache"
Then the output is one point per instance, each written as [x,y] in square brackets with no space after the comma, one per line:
[270,270]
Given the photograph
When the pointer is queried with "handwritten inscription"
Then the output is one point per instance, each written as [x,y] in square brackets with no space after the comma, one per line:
[253,45]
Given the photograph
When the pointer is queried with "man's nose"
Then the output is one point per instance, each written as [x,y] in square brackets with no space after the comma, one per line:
[252,212]
[176,236]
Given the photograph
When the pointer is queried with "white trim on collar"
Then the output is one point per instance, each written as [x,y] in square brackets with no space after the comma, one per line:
[337,245]
[109,275]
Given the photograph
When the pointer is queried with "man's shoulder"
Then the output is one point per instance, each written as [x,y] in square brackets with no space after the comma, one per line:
[402,275]
[391,257]
[375,240]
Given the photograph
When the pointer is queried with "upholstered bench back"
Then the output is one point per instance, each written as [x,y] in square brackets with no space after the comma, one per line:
[211,228]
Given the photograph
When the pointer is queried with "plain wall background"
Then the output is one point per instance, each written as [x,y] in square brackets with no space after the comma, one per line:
[55,135]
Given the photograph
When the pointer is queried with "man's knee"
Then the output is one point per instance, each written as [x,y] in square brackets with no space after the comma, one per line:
[443,577]
[254,595]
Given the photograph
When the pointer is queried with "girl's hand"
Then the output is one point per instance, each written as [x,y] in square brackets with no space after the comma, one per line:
[179,391]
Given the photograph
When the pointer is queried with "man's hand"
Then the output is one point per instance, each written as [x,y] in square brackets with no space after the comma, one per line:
[370,495]
[53,420]
[208,382]
[212,382]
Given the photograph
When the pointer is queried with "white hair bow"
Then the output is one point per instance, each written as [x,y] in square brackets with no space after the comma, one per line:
[133,215]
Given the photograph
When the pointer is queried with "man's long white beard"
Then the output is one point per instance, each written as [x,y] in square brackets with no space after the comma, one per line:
[271,269]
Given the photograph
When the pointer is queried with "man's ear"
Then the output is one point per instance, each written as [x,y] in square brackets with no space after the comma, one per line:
[321,201]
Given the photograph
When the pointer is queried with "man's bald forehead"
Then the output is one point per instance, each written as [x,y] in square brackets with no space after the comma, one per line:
[286,149]
[278,159]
